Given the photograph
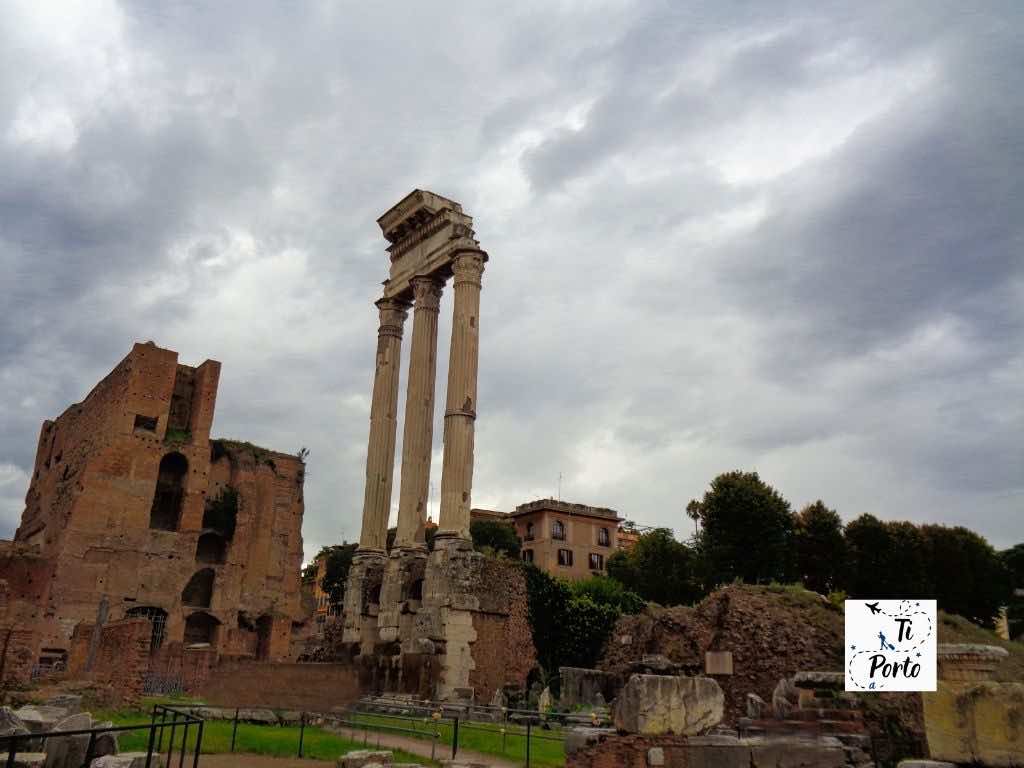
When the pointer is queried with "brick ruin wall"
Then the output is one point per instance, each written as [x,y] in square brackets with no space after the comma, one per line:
[305,686]
[503,653]
[120,659]
[86,530]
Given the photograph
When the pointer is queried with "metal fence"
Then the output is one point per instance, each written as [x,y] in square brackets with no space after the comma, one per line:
[162,719]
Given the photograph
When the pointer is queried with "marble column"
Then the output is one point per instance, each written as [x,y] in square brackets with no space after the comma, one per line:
[460,410]
[380,453]
[418,432]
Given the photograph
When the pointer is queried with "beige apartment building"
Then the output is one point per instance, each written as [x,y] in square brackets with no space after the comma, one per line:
[569,540]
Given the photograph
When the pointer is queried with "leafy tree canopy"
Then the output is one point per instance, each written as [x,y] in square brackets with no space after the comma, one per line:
[657,568]
[496,537]
[820,547]
[747,530]
[336,567]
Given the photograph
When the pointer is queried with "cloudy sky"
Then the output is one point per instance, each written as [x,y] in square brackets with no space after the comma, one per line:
[777,236]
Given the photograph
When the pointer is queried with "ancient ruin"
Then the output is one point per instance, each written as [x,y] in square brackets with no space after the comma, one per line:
[134,513]
[418,621]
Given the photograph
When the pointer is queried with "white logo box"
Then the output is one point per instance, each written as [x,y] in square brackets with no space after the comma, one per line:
[890,645]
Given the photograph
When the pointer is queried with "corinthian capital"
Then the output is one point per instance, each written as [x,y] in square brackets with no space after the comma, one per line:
[393,313]
[468,266]
[427,292]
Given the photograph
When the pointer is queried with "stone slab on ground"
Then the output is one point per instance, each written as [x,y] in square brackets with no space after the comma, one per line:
[657,704]
[41,718]
[362,758]
[24,759]
[127,760]
[66,751]
[924,764]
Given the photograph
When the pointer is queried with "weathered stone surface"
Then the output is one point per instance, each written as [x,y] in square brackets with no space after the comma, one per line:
[363,758]
[264,716]
[816,680]
[128,760]
[105,743]
[784,699]
[968,662]
[718,662]
[976,723]
[545,701]
[71,703]
[582,687]
[11,724]
[581,738]
[64,751]
[654,704]
[757,708]
[40,718]
[24,759]
[924,764]
[655,757]
[795,753]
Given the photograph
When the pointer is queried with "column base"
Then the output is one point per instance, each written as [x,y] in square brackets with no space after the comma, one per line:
[401,593]
[362,602]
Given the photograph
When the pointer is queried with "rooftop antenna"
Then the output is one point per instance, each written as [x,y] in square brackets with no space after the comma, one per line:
[559,486]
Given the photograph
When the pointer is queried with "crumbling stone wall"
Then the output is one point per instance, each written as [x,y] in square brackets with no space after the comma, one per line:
[120,659]
[118,503]
[24,586]
[503,654]
[306,686]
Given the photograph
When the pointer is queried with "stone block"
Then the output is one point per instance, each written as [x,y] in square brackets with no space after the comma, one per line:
[581,738]
[71,703]
[40,718]
[796,753]
[64,751]
[718,663]
[24,759]
[976,723]
[924,764]
[819,680]
[757,708]
[262,716]
[362,758]
[656,704]
[655,757]
[128,760]
[105,743]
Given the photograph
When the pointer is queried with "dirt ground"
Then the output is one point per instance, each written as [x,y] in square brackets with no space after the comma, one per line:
[257,761]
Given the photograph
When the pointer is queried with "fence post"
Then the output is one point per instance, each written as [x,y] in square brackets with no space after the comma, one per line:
[152,737]
[234,730]
[302,730]
[88,749]
[455,737]
[199,745]
[13,752]
[184,746]
[170,741]
[528,724]
[433,745]
[163,720]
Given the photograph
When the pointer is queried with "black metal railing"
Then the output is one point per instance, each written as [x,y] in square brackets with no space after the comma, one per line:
[162,718]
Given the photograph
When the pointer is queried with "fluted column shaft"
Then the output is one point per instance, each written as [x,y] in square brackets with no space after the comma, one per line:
[380,452]
[418,439]
[460,410]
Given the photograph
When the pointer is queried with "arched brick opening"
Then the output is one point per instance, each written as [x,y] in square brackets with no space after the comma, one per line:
[201,628]
[264,629]
[157,617]
[165,513]
[211,548]
[199,591]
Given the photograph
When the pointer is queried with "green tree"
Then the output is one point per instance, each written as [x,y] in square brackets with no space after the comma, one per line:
[872,559]
[494,536]
[604,590]
[1013,561]
[967,576]
[657,568]
[747,530]
[336,567]
[820,547]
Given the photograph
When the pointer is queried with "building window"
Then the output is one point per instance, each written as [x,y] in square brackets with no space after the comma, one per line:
[596,562]
[558,530]
[170,488]
[157,617]
[565,557]
[529,532]
[603,539]
[200,628]
[199,591]
[210,549]
[527,555]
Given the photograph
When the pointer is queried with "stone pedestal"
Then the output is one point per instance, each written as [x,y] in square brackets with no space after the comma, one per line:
[446,616]
[362,602]
[401,593]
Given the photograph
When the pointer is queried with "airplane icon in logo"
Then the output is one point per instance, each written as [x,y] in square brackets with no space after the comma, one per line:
[873,607]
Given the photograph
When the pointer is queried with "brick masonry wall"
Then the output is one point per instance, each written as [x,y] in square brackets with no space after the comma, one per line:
[629,752]
[122,655]
[308,687]
[503,653]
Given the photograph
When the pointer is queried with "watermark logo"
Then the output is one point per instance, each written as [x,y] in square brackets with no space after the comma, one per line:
[890,645]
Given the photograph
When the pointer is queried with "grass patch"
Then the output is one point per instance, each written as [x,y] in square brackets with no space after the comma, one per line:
[268,740]
[547,746]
